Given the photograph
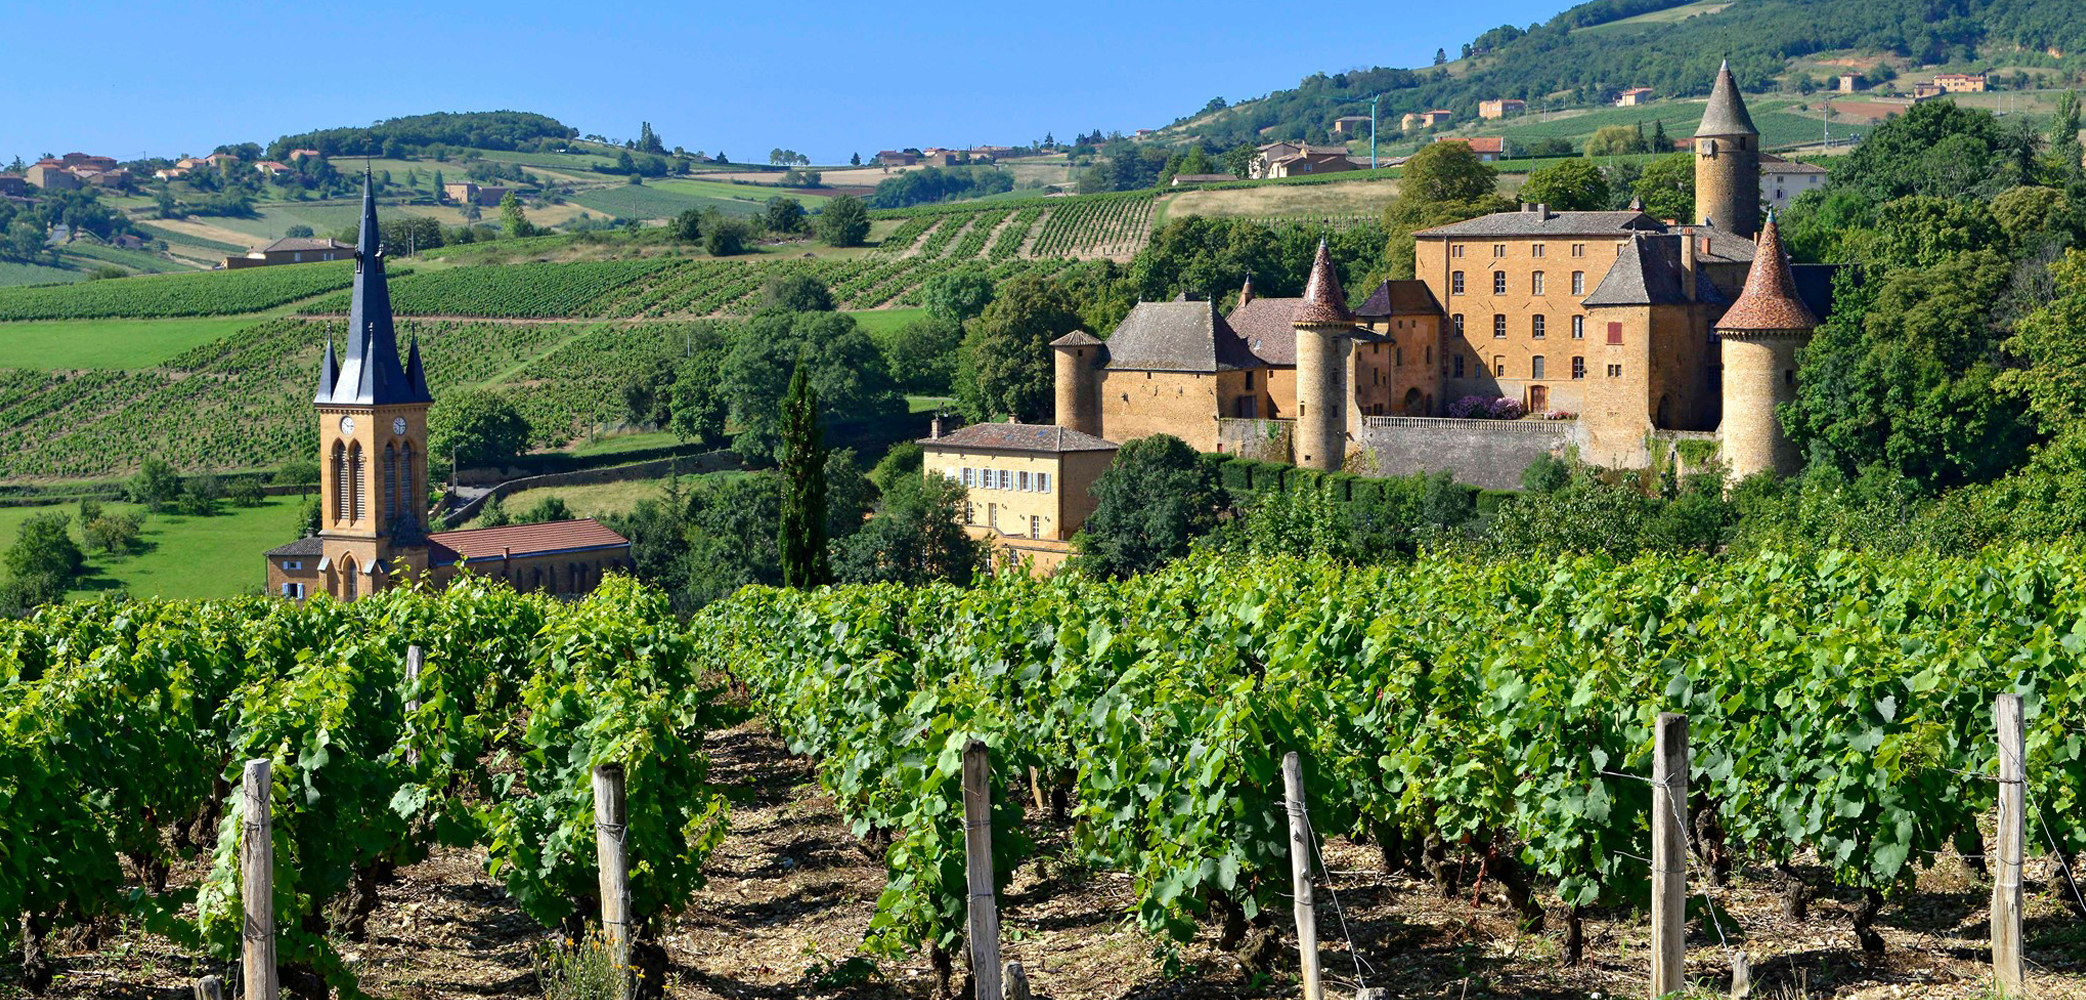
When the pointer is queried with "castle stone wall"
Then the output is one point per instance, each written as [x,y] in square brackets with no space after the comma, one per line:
[1487,453]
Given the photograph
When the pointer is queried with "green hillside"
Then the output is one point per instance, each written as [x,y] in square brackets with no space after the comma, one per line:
[1587,54]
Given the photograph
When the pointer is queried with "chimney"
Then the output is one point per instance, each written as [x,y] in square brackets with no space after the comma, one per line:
[934,428]
[1525,206]
[1687,265]
[1246,293]
[1543,210]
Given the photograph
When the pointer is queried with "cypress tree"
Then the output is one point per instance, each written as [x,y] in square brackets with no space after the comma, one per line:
[801,536]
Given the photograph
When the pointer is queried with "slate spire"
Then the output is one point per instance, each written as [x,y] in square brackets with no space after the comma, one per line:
[1726,112]
[372,374]
[329,373]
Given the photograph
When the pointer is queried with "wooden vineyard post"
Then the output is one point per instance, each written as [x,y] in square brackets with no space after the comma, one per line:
[413,661]
[1669,854]
[257,882]
[1300,873]
[984,925]
[2008,973]
[210,988]
[611,818]
[1016,980]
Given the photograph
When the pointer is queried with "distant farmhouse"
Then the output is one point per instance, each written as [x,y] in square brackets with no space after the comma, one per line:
[1030,485]
[1350,124]
[1425,119]
[1633,97]
[75,170]
[1296,159]
[293,250]
[1629,332]
[467,193]
[372,412]
[1960,83]
[1490,148]
[1501,108]
[1782,180]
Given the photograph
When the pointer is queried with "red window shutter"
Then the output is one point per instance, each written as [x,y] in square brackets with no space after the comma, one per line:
[1615,333]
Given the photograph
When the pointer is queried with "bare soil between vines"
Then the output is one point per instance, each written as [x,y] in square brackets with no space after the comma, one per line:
[791,892]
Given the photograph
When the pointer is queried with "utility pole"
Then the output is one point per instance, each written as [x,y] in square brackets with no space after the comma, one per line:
[1372,130]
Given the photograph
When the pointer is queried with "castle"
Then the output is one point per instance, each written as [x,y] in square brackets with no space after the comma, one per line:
[1643,331]
[372,411]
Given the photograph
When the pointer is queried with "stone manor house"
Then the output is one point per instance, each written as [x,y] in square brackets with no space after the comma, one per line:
[1632,333]
[372,412]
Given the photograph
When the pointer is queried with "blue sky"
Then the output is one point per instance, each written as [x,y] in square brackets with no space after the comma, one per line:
[828,79]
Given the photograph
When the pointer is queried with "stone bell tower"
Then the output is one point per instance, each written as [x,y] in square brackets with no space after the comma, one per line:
[372,411]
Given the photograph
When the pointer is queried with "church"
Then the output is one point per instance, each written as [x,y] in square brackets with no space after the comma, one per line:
[1629,332]
[373,488]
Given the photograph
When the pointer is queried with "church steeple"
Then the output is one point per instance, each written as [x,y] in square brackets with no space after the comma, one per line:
[372,374]
[329,374]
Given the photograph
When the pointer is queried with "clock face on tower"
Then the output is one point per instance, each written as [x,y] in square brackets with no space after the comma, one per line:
[347,425]
[398,425]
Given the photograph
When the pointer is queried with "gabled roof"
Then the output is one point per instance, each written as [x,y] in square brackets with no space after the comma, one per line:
[1726,114]
[1400,298]
[1324,303]
[1478,143]
[1647,272]
[1769,301]
[1717,246]
[1265,326]
[1020,437]
[309,545]
[1533,223]
[1177,336]
[445,548]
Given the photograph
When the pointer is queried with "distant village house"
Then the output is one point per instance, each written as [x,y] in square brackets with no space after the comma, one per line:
[1633,97]
[1030,486]
[1490,148]
[467,193]
[1350,124]
[1960,83]
[293,250]
[1501,108]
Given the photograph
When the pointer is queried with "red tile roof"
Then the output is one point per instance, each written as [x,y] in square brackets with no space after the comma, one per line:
[1479,143]
[1769,302]
[518,540]
[1323,302]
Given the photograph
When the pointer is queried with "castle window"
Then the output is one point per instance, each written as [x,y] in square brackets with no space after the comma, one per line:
[1499,249]
[1578,328]
[1578,368]
[1499,326]
[1536,326]
[1499,282]
[1035,526]
[1249,380]
[1456,250]
[293,591]
[293,564]
[1535,367]
[1578,249]
[970,476]
[1499,365]
[1788,376]
[1456,283]
[1042,482]
[1535,250]
[1535,283]
[1430,354]
[1022,482]
[1397,356]
[390,483]
[1578,282]
[1459,366]
[1614,371]
[1615,333]
[1006,479]
[970,512]
[1456,322]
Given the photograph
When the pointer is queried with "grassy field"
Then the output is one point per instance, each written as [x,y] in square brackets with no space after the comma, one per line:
[182,556]
[881,321]
[668,197]
[597,500]
[12,273]
[1658,17]
[108,343]
[1280,201]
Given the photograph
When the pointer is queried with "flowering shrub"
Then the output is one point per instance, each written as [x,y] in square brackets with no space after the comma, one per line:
[1487,408]
[1560,415]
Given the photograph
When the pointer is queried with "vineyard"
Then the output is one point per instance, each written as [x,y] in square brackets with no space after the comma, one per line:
[1488,724]
[226,293]
[512,291]
[491,744]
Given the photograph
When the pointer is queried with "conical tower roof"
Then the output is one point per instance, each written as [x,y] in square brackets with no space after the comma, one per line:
[1726,114]
[371,374]
[1323,304]
[1769,302]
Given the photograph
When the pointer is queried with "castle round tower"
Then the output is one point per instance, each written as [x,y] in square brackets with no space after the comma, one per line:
[1323,323]
[1761,334]
[1727,161]
[1078,381]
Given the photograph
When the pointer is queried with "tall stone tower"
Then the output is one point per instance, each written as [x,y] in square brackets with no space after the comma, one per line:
[1762,332]
[372,438]
[1727,161]
[1323,324]
[1078,381]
